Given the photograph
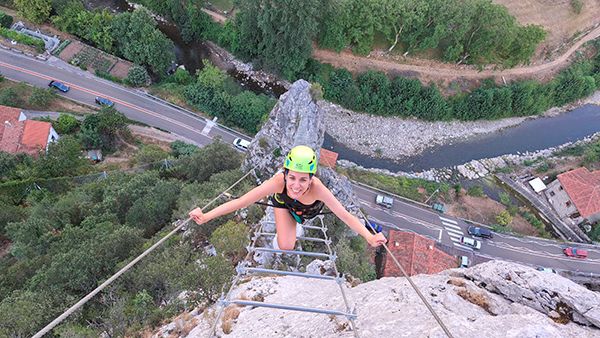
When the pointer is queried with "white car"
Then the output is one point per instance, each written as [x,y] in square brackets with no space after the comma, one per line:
[470,242]
[386,201]
[464,261]
[241,144]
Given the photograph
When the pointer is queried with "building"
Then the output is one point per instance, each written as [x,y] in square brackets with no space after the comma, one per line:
[20,135]
[576,195]
[328,158]
[416,254]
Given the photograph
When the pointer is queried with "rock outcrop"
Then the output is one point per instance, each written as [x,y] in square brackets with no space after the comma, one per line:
[493,299]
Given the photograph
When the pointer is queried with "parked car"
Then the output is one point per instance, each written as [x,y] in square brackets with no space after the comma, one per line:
[385,201]
[575,252]
[104,102]
[439,207]
[470,242]
[377,227]
[464,262]
[241,144]
[543,269]
[59,85]
[480,232]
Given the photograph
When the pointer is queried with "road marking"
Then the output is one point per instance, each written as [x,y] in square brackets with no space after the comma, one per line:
[463,247]
[448,225]
[448,220]
[455,239]
[454,234]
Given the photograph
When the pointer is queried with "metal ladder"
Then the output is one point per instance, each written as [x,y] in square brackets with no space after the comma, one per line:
[244,269]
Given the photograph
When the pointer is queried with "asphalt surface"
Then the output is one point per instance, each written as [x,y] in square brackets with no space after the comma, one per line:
[403,215]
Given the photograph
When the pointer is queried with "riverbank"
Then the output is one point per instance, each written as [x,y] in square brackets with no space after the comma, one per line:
[394,138]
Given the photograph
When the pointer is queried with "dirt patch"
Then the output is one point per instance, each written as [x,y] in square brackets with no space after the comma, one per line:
[71,50]
[484,210]
[476,298]
[121,69]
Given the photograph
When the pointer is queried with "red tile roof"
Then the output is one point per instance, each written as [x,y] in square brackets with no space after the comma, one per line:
[416,254]
[22,136]
[328,158]
[583,188]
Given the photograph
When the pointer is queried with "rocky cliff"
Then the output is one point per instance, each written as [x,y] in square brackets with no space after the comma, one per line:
[494,299]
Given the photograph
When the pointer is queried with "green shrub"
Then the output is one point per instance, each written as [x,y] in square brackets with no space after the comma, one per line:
[5,20]
[137,76]
[22,38]
[504,218]
[353,260]
[41,97]
[576,6]
[66,124]
[231,239]
[476,191]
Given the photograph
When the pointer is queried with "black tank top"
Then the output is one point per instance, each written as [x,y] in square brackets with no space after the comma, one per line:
[297,209]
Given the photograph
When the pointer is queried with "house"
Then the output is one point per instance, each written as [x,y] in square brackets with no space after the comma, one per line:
[20,135]
[417,255]
[576,195]
[328,158]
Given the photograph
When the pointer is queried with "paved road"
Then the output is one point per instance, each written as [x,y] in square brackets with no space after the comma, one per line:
[406,216]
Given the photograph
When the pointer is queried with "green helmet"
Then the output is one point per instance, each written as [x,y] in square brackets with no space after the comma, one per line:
[301,159]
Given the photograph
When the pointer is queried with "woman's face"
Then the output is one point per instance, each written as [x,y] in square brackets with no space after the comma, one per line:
[297,183]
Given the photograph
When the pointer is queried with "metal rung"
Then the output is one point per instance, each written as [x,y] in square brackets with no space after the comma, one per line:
[313,239]
[285,273]
[292,307]
[313,227]
[294,252]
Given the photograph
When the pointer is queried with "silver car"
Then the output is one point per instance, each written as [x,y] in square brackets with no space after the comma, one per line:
[470,242]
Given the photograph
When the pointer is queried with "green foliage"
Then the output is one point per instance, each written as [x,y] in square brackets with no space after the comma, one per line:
[180,148]
[23,313]
[505,199]
[36,11]
[278,34]
[137,76]
[595,233]
[149,154]
[476,191]
[41,98]
[66,124]
[537,224]
[213,158]
[231,239]
[101,130]
[151,212]
[5,20]
[352,258]
[576,6]
[504,218]
[10,213]
[22,38]
[64,158]
[182,77]
[138,39]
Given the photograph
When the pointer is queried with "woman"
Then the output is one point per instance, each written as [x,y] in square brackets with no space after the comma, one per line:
[297,195]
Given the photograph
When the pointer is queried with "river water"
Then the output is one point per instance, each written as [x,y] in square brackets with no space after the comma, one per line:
[531,135]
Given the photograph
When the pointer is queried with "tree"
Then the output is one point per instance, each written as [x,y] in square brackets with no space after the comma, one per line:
[137,76]
[138,40]
[231,239]
[63,159]
[211,159]
[9,97]
[150,153]
[23,313]
[101,130]
[37,11]
[40,97]
[5,20]
[66,124]
[352,259]
[504,218]
[151,212]
[180,148]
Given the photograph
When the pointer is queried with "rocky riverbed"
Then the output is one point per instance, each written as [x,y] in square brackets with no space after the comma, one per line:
[393,138]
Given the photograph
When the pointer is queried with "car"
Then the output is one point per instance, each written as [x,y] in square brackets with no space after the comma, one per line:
[374,226]
[104,101]
[470,242]
[59,85]
[575,252]
[241,144]
[464,262]
[480,232]
[439,207]
[385,201]
[543,269]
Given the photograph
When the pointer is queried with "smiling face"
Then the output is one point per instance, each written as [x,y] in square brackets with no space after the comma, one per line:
[297,183]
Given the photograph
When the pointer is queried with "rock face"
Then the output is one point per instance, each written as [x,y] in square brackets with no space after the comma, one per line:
[494,299]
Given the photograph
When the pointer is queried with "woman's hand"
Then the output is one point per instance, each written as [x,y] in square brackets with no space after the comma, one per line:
[198,216]
[376,240]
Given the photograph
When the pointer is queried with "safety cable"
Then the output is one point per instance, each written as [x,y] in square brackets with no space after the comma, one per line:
[389,252]
[77,305]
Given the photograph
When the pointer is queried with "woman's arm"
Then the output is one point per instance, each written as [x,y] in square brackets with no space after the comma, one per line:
[325,195]
[273,185]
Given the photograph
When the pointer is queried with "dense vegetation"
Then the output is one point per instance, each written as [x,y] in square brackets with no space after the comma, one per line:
[373,92]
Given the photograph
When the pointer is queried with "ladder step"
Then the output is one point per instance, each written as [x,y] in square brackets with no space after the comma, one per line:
[292,307]
[293,252]
[313,227]
[286,273]
[302,238]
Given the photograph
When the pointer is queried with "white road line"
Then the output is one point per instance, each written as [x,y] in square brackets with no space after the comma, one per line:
[463,247]
[454,239]
[454,232]
[448,220]
[448,225]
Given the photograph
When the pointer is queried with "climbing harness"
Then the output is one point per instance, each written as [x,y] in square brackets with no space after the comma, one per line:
[245,268]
